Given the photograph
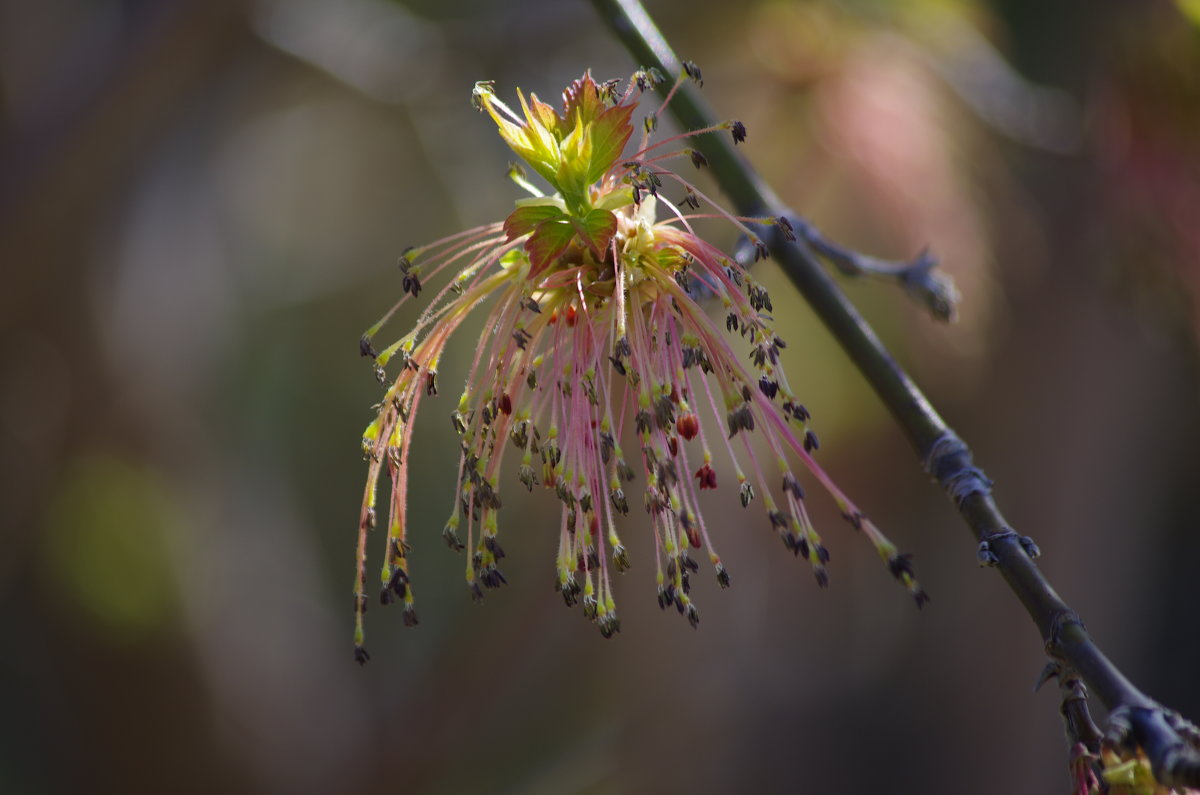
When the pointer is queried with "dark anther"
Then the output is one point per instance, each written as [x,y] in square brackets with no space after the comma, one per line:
[532,305]
[693,71]
[610,624]
[801,547]
[722,576]
[739,132]
[855,519]
[822,553]
[920,597]
[380,374]
[624,470]
[617,365]
[785,226]
[398,582]
[821,575]
[522,338]
[811,443]
[900,565]
[410,616]
[618,500]
[779,520]
[620,557]
[1031,549]
[790,484]
[589,606]
[622,347]
[664,412]
[494,547]
[642,420]
[607,445]
[746,493]
[365,348]
[450,536]
[986,556]
[492,577]
[768,387]
[386,596]
[698,158]
[360,655]
[650,123]
[681,278]
[731,322]
[760,250]
[637,193]
[570,591]
[476,592]
[431,383]
[693,615]
[607,90]
[411,284]
[690,200]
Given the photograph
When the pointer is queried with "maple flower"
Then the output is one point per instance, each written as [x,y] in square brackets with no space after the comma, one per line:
[598,331]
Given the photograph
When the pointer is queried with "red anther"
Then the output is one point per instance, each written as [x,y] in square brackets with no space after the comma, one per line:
[673,446]
[707,477]
[572,316]
[693,537]
[688,426]
[506,403]
[594,526]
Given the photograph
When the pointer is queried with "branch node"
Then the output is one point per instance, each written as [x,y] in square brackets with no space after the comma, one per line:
[986,553]
[949,462]
[1059,622]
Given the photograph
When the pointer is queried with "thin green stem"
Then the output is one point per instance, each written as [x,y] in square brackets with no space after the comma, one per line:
[1134,716]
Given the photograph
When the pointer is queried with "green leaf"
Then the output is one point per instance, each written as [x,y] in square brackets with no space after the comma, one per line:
[525,219]
[615,199]
[609,134]
[549,241]
[596,229]
[583,95]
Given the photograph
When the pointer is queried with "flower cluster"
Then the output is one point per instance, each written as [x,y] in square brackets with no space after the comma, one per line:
[598,334]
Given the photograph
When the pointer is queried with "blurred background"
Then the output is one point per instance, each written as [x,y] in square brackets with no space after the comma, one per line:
[201,206]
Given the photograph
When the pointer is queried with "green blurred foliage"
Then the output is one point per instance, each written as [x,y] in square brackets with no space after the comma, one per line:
[107,542]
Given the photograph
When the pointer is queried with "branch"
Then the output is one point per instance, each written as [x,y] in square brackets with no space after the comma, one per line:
[1171,745]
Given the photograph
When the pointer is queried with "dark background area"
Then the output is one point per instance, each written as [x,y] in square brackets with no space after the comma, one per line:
[201,205]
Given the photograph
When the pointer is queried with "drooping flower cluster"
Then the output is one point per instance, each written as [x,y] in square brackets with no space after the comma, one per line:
[596,333]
